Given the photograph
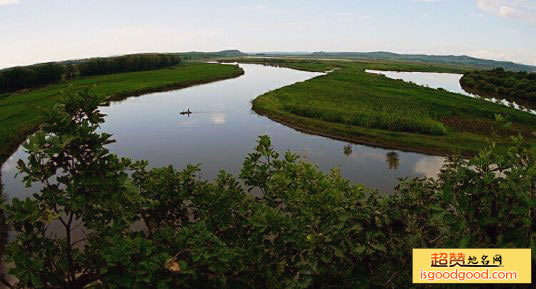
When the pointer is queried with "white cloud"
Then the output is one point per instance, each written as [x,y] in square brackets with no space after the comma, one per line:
[516,9]
[7,2]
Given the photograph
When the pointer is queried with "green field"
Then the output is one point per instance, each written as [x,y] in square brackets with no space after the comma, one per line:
[19,112]
[353,105]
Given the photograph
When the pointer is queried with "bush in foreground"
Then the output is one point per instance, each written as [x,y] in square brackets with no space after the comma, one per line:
[123,225]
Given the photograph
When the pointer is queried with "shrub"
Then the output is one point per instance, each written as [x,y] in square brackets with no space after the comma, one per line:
[304,228]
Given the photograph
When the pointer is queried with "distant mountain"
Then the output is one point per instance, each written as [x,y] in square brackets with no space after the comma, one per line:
[193,55]
[444,59]
[280,53]
[231,53]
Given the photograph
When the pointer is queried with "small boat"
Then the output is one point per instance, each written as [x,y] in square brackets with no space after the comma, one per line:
[188,112]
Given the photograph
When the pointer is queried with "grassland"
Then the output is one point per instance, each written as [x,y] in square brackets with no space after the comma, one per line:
[321,65]
[19,112]
[353,105]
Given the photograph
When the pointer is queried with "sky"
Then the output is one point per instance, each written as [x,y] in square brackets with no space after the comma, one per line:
[33,31]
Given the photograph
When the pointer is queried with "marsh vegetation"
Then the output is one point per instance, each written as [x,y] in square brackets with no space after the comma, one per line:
[24,77]
[351,104]
[19,111]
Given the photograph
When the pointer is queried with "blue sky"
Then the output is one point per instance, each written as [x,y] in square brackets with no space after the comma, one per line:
[42,30]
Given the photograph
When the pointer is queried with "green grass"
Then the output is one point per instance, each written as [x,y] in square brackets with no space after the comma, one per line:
[353,105]
[19,112]
[321,65]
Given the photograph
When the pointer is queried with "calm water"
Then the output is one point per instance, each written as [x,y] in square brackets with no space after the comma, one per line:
[447,81]
[223,129]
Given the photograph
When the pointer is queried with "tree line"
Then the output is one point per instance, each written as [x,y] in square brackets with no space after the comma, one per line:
[498,83]
[24,77]
[305,229]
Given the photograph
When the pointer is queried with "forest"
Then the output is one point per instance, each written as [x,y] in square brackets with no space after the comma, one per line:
[25,77]
[499,83]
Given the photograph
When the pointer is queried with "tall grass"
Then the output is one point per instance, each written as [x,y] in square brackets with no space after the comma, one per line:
[387,112]
[372,119]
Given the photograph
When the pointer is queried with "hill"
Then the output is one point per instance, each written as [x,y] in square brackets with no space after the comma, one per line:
[195,55]
[443,59]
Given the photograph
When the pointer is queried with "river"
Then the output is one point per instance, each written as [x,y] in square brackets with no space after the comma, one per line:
[222,129]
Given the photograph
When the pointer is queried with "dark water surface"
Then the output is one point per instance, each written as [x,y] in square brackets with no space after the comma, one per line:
[222,129]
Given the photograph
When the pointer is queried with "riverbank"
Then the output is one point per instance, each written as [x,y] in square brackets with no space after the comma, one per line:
[19,112]
[352,105]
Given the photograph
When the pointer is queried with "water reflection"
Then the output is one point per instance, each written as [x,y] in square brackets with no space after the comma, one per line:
[4,229]
[347,149]
[218,118]
[393,160]
[429,168]
[223,129]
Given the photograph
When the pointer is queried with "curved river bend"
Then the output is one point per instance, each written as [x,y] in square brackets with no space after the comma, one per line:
[223,129]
